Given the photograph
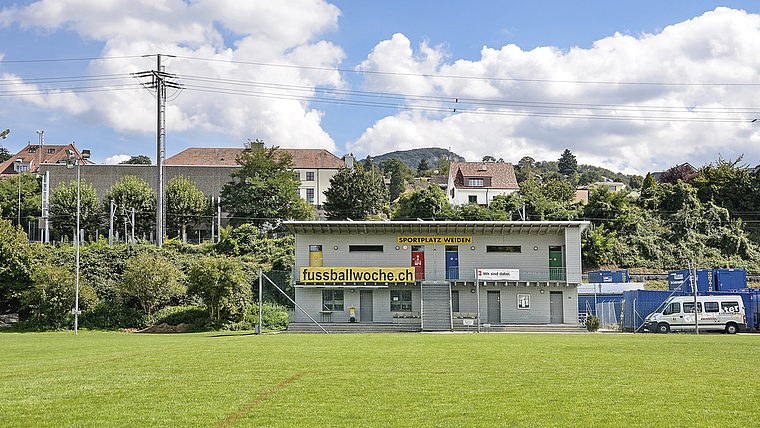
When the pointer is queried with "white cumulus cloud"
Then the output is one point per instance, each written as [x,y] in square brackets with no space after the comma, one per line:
[632,104]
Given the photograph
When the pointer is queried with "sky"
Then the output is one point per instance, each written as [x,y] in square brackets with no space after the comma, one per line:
[632,86]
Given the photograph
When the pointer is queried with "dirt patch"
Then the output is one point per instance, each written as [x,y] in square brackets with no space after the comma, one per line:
[165,328]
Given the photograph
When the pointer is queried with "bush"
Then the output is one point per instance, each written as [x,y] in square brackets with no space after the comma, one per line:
[114,316]
[175,315]
[592,323]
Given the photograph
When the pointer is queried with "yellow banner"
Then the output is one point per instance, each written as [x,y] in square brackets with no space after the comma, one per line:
[434,240]
[357,274]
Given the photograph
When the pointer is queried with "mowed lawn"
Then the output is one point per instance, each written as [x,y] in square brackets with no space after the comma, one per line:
[101,379]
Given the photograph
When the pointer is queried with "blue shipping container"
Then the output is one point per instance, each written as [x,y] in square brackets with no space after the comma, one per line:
[609,276]
[637,304]
[730,279]
[680,278]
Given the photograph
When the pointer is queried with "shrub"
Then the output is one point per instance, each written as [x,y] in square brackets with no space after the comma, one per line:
[592,323]
[114,316]
[175,315]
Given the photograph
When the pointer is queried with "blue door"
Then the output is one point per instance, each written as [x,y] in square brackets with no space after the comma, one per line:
[452,262]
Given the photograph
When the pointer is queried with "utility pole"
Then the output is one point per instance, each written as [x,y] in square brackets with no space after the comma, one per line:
[160,80]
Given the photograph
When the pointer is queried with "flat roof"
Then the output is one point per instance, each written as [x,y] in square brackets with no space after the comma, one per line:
[432,227]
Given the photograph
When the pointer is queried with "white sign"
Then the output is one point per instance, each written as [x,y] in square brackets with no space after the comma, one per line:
[499,274]
[468,322]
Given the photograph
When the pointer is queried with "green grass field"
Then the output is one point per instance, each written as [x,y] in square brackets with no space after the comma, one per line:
[101,379]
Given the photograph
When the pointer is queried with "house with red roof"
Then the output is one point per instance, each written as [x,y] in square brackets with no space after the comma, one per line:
[479,182]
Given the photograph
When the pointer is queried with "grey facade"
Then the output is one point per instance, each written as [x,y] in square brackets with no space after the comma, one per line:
[448,290]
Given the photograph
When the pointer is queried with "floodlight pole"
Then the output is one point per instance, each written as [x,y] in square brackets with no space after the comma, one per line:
[19,161]
[261,294]
[76,301]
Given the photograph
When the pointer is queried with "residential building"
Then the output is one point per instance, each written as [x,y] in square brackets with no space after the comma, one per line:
[437,275]
[479,182]
[34,155]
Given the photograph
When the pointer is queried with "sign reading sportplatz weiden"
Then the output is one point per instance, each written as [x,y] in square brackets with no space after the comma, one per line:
[499,274]
[434,240]
[357,274]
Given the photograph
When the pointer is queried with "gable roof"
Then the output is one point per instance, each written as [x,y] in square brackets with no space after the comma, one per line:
[501,174]
[41,154]
[302,158]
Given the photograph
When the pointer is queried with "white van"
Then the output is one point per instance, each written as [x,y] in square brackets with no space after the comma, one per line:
[723,313]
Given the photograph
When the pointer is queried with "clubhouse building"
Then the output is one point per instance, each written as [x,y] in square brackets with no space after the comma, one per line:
[436,275]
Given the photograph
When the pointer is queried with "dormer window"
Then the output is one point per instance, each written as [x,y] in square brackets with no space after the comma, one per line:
[32,150]
[51,151]
[475,182]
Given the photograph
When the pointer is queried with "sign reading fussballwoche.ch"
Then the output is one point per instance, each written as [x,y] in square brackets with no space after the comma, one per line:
[357,274]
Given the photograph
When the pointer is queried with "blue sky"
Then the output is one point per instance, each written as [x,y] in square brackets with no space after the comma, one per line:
[631,86]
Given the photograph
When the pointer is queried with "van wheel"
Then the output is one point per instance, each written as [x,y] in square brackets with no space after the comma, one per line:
[731,328]
[663,328]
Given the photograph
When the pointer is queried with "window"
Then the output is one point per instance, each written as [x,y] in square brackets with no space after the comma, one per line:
[310,196]
[503,249]
[332,300]
[475,182]
[688,307]
[51,151]
[712,307]
[473,199]
[360,248]
[401,300]
[732,307]
[309,176]
[454,300]
[672,308]
[33,150]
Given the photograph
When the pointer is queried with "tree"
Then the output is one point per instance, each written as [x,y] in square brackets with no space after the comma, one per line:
[128,193]
[429,203]
[489,158]
[636,182]
[264,190]
[567,163]
[596,245]
[63,209]
[153,280]
[353,194]
[16,265]
[442,165]
[682,172]
[4,154]
[31,197]
[423,166]
[137,160]
[399,175]
[185,205]
[48,301]
[649,182]
[222,285]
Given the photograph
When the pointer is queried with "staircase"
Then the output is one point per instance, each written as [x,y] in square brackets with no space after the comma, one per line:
[436,306]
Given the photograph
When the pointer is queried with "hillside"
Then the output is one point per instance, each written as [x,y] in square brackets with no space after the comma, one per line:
[413,157]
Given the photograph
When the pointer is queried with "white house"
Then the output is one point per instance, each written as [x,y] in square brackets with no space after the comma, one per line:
[479,182]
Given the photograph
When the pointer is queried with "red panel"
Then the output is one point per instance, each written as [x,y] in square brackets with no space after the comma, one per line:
[418,261]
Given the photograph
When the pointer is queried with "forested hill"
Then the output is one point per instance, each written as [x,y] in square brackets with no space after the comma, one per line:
[413,157]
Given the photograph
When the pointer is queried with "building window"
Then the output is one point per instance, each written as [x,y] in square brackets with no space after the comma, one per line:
[309,176]
[32,150]
[473,199]
[454,300]
[401,300]
[361,248]
[503,249]
[332,300]
[51,151]
[475,182]
[310,196]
